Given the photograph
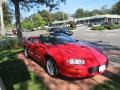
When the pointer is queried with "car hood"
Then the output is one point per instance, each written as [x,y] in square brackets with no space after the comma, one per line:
[81,50]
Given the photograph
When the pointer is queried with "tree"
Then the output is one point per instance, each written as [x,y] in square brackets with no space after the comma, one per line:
[34,21]
[96,12]
[87,13]
[31,3]
[47,16]
[60,16]
[38,21]
[116,8]
[79,13]
[7,14]
[27,24]
[105,10]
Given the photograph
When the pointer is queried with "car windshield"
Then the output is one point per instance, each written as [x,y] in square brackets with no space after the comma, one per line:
[63,29]
[58,38]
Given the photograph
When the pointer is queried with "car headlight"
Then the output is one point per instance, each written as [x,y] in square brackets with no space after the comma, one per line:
[76,61]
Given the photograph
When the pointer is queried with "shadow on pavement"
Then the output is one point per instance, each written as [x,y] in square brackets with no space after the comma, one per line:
[13,72]
[106,46]
[114,77]
[112,84]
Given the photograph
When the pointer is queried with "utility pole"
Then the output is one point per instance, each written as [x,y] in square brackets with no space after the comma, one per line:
[63,17]
[1,18]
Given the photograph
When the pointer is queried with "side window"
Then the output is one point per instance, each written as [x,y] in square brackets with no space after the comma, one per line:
[44,39]
[34,40]
[30,39]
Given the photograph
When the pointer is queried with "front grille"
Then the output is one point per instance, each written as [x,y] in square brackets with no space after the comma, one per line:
[93,69]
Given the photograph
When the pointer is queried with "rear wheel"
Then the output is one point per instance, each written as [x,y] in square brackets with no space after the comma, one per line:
[26,53]
[51,67]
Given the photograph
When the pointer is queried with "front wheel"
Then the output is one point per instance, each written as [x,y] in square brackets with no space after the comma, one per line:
[51,67]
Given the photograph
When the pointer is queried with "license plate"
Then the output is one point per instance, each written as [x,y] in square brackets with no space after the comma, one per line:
[101,68]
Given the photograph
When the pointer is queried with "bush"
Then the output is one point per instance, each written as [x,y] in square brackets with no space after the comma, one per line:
[9,43]
[108,27]
[98,28]
[112,26]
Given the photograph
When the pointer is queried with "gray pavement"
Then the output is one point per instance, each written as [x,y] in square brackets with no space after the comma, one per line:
[111,37]
[108,39]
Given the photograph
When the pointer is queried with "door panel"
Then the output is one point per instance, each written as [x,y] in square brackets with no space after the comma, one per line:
[40,52]
[31,48]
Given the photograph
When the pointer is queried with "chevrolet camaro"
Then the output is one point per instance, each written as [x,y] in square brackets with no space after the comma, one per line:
[64,55]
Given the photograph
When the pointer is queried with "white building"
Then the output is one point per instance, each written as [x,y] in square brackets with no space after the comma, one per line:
[97,19]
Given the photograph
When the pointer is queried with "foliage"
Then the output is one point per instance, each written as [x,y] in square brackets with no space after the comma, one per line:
[95,12]
[34,21]
[112,26]
[116,8]
[7,14]
[106,10]
[107,26]
[98,28]
[9,43]
[47,16]
[60,16]
[28,4]
[38,21]
[27,24]
[79,13]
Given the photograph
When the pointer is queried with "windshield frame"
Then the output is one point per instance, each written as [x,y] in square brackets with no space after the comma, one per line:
[60,38]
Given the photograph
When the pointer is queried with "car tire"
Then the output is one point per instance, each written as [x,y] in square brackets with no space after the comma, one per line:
[26,53]
[51,67]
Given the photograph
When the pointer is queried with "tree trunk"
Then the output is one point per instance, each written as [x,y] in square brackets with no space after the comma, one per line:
[18,24]
[2,20]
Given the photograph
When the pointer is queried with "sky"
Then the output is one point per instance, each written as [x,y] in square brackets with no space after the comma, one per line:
[72,5]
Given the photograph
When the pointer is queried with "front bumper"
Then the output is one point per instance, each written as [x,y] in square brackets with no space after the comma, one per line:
[77,71]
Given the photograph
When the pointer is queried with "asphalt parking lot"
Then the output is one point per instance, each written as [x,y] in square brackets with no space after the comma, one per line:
[108,39]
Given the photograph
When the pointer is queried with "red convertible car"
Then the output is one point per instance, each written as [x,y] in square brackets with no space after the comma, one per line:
[61,54]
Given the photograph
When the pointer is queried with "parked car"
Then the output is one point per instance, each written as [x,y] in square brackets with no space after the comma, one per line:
[14,31]
[61,30]
[63,55]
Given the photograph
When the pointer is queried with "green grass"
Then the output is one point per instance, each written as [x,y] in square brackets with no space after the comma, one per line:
[15,73]
[9,55]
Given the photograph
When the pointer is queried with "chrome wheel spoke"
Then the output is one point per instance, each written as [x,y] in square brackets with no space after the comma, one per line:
[50,67]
